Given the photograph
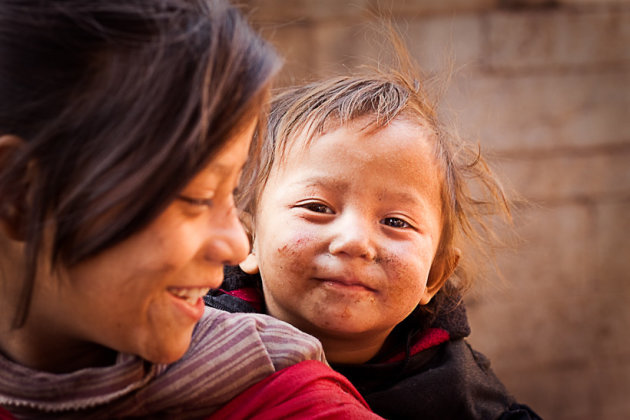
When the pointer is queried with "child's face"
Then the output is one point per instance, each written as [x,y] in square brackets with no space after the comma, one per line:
[347,229]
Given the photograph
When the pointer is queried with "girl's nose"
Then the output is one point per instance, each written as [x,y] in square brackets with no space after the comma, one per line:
[352,236]
[228,243]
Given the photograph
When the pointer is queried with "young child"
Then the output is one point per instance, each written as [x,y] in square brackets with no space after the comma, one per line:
[357,216]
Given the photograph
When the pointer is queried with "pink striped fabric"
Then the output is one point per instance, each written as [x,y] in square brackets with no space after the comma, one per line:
[228,354]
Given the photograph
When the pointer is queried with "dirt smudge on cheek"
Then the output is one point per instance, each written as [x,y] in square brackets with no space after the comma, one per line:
[319,307]
[399,285]
[394,265]
[283,249]
[296,254]
[294,247]
[383,260]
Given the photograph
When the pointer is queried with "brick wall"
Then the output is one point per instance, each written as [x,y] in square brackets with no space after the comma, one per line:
[545,87]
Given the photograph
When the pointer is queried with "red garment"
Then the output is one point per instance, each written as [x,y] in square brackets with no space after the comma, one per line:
[431,337]
[307,390]
[5,415]
[249,295]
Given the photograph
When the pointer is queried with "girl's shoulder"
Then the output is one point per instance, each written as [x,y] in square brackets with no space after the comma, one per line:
[278,341]
[229,353]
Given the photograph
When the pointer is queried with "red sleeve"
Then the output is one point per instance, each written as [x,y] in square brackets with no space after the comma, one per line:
[5,415]
[307,390]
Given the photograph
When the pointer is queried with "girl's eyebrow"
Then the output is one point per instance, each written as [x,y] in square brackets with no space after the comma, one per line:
[224,170]
[221,169]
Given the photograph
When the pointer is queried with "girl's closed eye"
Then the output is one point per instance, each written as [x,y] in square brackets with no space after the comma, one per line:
[200,202]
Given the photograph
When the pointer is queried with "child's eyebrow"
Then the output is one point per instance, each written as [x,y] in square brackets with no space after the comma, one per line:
[401,196]
[390,194]
[324,181]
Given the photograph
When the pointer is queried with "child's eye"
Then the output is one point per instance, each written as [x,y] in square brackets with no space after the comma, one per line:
[207,202]
[317,208]
[395,222]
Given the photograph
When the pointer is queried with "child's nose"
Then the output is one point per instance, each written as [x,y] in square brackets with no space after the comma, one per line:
[352,236]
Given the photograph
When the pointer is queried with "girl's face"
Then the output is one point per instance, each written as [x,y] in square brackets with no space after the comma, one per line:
[144,295]
[347,229]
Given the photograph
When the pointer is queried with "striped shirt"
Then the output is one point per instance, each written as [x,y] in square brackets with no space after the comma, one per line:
[228,354]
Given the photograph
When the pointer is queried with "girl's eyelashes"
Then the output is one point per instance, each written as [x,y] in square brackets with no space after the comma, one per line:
[207,202]
[395,222]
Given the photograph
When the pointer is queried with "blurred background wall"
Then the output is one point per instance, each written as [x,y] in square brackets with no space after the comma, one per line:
[544,86]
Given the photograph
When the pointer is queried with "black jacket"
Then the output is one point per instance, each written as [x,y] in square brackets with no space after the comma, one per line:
[425,370]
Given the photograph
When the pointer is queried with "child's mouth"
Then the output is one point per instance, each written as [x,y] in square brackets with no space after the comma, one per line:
[346,284]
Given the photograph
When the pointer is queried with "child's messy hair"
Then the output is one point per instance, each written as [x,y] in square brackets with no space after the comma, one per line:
[470,192]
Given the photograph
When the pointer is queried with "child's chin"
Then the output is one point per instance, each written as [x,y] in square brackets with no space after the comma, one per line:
[343,329]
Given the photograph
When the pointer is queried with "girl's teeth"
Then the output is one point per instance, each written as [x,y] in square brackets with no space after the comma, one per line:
[189,294]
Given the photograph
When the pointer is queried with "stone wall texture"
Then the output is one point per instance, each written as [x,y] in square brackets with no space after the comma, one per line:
[544,86]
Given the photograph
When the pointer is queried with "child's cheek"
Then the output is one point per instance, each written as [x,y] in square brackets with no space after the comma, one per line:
[295,253]
[406,278]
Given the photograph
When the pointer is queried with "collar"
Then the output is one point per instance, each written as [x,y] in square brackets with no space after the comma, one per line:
[21,386]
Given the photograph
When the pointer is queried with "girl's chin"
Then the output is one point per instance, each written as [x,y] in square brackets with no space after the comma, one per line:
[170,352]
[165,357]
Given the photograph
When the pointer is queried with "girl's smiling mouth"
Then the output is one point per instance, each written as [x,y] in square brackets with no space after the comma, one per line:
[189,300]
[190,294]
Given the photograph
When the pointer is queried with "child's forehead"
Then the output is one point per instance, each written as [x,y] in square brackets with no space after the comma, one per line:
[307,134]
[401,135]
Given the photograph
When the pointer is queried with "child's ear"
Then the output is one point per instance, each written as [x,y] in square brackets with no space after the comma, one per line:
[442,268]
[13,209]
[250,264]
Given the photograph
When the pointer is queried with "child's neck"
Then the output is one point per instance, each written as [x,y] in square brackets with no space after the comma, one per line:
[350,349]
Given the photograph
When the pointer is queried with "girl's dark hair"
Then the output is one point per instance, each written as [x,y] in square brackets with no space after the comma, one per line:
[119,103]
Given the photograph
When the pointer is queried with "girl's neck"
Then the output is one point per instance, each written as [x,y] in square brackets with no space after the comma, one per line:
[37,343]
[45,350]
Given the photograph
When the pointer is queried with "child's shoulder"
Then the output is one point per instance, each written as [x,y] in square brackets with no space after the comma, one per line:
[239,292]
